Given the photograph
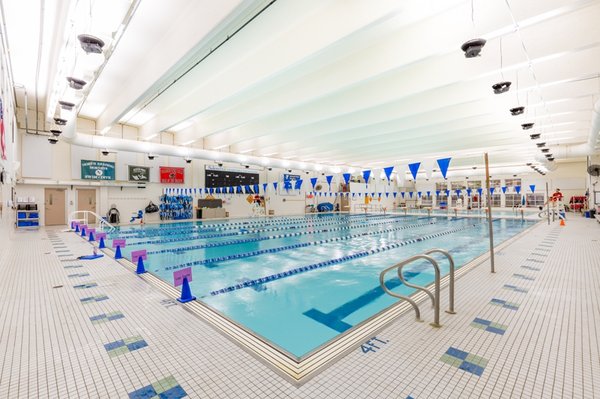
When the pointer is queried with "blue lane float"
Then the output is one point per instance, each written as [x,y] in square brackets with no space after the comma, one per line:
[246,232]
[273,237]
[142,233]
[332,262]
[293,246]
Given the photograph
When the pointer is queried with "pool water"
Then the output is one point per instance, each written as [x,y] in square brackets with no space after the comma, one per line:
[301,281]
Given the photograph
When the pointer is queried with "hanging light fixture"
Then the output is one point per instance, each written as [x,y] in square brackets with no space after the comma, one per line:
[473,47]
[91,44]
[504,86]
[527,126]
[517,111]
[75,83]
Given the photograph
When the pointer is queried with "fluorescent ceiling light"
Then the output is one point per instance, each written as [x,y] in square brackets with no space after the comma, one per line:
[188,142]
[220,147]
[246,151]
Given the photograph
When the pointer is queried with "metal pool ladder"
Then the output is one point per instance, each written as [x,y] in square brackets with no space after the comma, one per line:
[435,296]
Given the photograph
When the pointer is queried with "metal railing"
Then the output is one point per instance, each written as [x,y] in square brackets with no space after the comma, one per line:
[435,296]
[103,225]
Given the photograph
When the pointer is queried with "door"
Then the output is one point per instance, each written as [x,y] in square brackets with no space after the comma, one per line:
[54,206]
[86,201]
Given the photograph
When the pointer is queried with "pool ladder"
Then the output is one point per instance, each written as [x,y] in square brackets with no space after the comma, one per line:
[435,296]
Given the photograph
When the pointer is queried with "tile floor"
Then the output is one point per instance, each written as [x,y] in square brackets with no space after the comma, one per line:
[92,329]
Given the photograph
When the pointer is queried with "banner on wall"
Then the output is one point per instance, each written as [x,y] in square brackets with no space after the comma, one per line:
[173,175]
[2,140]
[139,173]
[97,170]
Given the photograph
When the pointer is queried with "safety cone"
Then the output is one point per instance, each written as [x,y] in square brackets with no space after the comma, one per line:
[186,292]
[82,232]
[77,228]
[562,222]
[118,253]
[91,236]
[102,245]
[140,266]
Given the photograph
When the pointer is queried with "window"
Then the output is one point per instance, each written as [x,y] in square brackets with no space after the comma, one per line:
[535,200]
[474,185]
[512,200]
[496,200]
[512,182]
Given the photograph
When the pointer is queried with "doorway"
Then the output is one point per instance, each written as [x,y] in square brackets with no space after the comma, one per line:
[54,206]
[86,201]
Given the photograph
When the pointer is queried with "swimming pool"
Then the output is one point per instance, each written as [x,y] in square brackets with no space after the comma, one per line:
[300,282]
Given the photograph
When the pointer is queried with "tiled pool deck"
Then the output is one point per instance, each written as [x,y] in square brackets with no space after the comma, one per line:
[77,329]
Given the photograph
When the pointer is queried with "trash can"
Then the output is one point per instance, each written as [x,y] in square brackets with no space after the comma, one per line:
[587,214]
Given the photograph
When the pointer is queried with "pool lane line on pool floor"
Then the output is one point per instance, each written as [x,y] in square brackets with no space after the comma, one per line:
[332,262]
[255,231]
[292,246]
[272,237]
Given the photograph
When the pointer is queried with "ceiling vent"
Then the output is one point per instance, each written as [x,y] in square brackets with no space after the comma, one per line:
[67,106]
[473,47]
[91,44]
[545,150]
[540,145]
[501,87]
[55,132]
[517,111]
[527,126]
[75,83]
[535,136]
[60,121]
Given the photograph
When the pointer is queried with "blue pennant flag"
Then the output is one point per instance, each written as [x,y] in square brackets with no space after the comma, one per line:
[275,186]
[402,194]
[366,175]
[480,191]
[532,187]
[437,193]
[212,190]
[388,172]
[414,169]
[387,194]
[329,179]
[256,189]
[469,192]
[458,193]
[447,193]
[518,189]
[419,193]
[231,190]
[395,194]
[247,188]
[428,194]
[372,195]
[218,190]
[265,185]
[443,164]
[238,190]
[313,181]
[347,177]
[353,194]
[503,189]
[410,194]
[492,190]
[360,194]
[379,195]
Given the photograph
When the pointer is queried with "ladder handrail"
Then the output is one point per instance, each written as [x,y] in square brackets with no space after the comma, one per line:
[435,297]
[100,220]
[450,276]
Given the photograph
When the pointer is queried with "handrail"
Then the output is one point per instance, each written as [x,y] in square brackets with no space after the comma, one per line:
[102,223]
[435,297]
[450,276]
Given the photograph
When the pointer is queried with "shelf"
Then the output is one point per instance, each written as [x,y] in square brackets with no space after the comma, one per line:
[29,219]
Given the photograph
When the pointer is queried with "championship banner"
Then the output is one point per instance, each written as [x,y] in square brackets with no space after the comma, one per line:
[171,175]
[139,173]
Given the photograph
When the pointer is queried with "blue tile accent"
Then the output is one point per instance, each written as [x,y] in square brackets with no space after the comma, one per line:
[482,321]
[495,330]
[114,345]
[137,345]
[116,317]
[471,368]
[457,353]
[143,393]
[97,317]
[176,392]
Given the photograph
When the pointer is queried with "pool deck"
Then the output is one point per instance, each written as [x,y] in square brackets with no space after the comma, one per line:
[78,329]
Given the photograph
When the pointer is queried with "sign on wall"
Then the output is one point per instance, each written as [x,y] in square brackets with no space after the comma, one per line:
[171,175]
[289,184]
[97,170]
[139,173]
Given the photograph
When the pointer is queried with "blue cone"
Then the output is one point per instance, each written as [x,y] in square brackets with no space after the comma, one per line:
[77,229]
[92,236]
[186,292]
[118,253]
[140,266]
[83,232]
[72,224]
[102,245]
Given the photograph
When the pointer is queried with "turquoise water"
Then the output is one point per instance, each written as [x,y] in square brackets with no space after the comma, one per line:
[301,281]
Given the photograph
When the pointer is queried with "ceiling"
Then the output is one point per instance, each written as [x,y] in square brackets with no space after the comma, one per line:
[347,82]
